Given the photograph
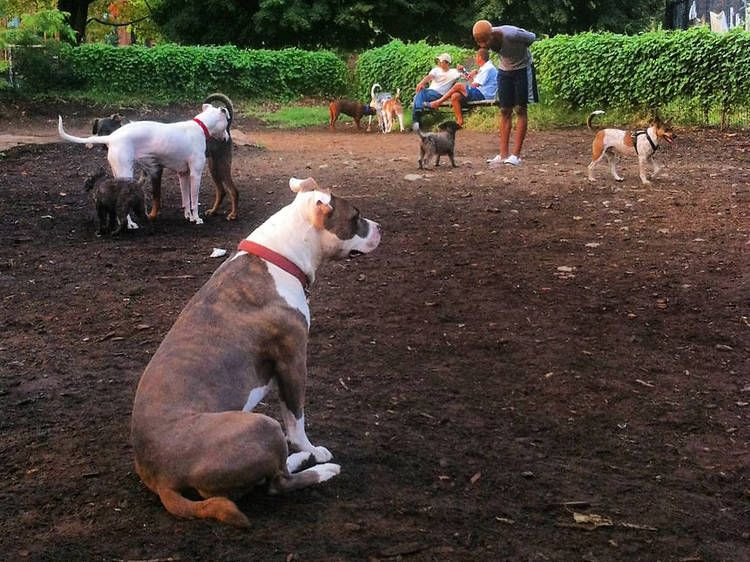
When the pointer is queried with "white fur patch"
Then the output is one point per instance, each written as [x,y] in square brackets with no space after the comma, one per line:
[255,396]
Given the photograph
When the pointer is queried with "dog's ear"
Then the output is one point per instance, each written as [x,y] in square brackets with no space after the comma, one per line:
[300,186]
[117,118]
[206,106]
[321,208]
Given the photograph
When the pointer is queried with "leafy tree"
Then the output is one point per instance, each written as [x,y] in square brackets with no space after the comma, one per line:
[105,16]
[312,23]
[366,23]
[552,17]
[33,28]
[78,10]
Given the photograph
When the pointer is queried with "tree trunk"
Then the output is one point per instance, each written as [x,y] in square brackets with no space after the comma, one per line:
[79,11]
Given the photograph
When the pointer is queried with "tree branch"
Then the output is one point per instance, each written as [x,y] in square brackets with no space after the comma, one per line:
[88,21]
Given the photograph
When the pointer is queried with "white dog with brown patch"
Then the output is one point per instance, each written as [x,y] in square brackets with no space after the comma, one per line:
[178,146]
[243,333]
[642,144]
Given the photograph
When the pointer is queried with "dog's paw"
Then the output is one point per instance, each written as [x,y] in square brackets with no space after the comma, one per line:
[198,220]
[296,461]
[326,471]
[321,454]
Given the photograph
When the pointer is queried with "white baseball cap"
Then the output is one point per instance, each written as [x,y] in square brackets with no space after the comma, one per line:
[444,57]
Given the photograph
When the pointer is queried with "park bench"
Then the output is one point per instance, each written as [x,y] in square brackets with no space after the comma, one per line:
[469,105]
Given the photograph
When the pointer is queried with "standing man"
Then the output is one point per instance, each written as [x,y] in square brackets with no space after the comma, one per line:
[516,82]
[482,85]
[441,78]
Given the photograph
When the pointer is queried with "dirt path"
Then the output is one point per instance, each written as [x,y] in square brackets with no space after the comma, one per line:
[530,366]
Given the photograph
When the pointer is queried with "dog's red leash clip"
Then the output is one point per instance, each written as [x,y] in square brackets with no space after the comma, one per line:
[205,129]
[276,259]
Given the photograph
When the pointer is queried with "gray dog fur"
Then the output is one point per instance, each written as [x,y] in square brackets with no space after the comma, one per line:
[437,144]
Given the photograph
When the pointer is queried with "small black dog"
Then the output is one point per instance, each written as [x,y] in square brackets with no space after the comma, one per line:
[115,199]
[437,144]
[108,125]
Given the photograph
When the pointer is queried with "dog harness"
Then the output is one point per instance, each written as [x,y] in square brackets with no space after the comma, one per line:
[205,129]
[276,259]
[635,136]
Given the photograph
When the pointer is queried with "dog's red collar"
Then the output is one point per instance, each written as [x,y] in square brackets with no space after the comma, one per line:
[276,259]
[205,129]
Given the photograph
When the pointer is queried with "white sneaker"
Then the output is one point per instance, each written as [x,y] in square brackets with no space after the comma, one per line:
[513,160]
[496,160]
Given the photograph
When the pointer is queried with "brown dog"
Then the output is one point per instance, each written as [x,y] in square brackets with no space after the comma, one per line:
[353,109]
[392,109]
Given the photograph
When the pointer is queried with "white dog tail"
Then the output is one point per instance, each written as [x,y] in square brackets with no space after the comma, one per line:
[79,140]
[398,93]
[372,90]
[591,117]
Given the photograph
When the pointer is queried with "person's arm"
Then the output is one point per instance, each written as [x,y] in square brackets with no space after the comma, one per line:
[513,33]
[424,81]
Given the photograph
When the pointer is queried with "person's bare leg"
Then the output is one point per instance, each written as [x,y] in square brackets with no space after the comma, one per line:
[506,120]
[522,121]
[455,88]
[456,103]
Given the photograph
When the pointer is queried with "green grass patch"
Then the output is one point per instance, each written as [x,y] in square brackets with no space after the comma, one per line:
[295,117]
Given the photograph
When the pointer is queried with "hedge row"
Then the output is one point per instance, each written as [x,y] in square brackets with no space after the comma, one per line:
[648,70]
[182,73]
[584,71]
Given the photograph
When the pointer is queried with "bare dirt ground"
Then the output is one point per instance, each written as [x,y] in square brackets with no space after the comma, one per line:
[530,367]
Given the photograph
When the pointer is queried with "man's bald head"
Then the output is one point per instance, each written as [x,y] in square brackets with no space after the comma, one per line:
[482,30]
[485,37]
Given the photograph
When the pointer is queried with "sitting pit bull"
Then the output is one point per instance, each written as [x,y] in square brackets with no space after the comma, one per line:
[178,146]
[244,332]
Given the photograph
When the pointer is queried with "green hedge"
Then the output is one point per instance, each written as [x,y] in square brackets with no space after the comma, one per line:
[646,71]
[176,73]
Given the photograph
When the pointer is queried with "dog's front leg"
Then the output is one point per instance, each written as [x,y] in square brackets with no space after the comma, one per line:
[295,434]
[658,167]
[642,169]
[291,378]
[195,186]
[184,178]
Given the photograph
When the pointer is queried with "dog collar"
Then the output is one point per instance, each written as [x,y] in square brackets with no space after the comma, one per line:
[205,129]
[276,259]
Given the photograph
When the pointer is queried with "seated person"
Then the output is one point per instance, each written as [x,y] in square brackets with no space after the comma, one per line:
[441,78]
[482,86]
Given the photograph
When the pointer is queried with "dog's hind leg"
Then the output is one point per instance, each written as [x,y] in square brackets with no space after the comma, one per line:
[611,158]
[453,162]
[101,212]
[155,175]
[221,172]
[597,153]
[332,116]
